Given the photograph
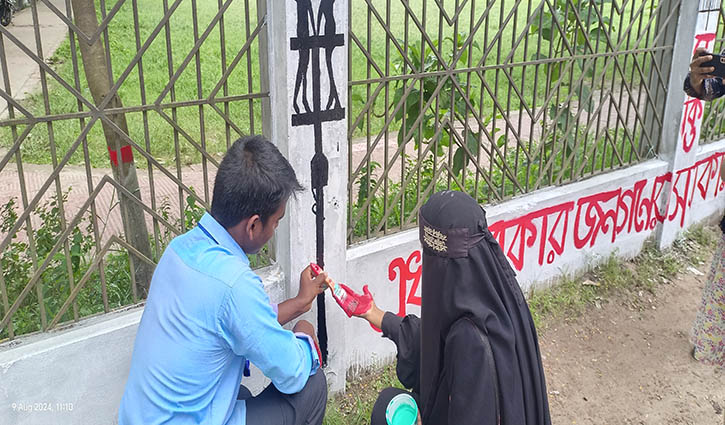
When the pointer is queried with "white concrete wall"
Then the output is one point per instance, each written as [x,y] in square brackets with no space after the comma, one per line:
[700,211]
[77,376]
[72,377]
[598,211]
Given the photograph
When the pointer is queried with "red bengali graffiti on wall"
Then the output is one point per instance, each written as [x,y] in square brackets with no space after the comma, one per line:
[405,271]
[694,108]
[603,216]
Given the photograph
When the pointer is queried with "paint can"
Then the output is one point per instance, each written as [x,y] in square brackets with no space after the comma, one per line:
[402,410]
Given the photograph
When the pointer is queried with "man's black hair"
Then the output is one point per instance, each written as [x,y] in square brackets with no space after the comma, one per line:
[253,178]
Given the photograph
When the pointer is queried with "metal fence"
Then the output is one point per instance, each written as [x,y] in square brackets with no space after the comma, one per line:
[186,79]
[498,98]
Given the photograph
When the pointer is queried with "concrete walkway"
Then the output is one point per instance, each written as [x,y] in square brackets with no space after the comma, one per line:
[24,73]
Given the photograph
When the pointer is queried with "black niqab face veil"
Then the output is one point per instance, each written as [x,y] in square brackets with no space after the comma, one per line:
[465,275]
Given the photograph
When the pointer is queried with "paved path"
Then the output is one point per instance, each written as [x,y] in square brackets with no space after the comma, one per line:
[628,362]
[24,74]
[75,178]
[167,191]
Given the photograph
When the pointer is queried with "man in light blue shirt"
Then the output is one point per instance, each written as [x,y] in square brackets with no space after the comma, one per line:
[207,315]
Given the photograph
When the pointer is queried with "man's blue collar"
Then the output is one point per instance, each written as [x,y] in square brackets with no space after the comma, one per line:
[220,235]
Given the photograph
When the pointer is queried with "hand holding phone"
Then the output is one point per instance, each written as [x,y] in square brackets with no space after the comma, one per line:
[699,72]
[715,67]
[703,65]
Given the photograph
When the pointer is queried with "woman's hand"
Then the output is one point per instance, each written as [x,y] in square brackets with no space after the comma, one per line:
[374,315]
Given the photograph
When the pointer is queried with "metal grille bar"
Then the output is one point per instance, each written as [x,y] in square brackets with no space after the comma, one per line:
[497,98]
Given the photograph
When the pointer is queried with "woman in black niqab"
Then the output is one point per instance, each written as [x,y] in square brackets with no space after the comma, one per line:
[473,356]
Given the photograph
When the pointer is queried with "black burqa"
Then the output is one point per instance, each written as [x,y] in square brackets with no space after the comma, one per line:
[479,353]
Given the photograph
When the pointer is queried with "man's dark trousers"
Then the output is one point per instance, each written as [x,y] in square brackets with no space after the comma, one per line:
[271,407]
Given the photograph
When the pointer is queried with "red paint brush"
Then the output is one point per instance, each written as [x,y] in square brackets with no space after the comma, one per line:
[352,304]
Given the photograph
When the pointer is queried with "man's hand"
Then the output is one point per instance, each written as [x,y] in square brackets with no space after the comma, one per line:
[310,287]
[302,303]
[698,73]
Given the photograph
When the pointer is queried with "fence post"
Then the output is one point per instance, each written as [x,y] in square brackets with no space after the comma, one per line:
[660,67]
[696,27]
[308,77]
[264,70]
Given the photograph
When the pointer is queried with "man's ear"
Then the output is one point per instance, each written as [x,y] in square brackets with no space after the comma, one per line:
[253,227]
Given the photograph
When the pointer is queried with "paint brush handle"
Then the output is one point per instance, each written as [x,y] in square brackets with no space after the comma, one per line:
[338,293]
[316,270]
[352,304]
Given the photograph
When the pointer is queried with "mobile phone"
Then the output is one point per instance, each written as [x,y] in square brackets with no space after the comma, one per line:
[717,62]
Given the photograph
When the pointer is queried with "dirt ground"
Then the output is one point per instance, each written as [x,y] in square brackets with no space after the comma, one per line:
[628,362]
